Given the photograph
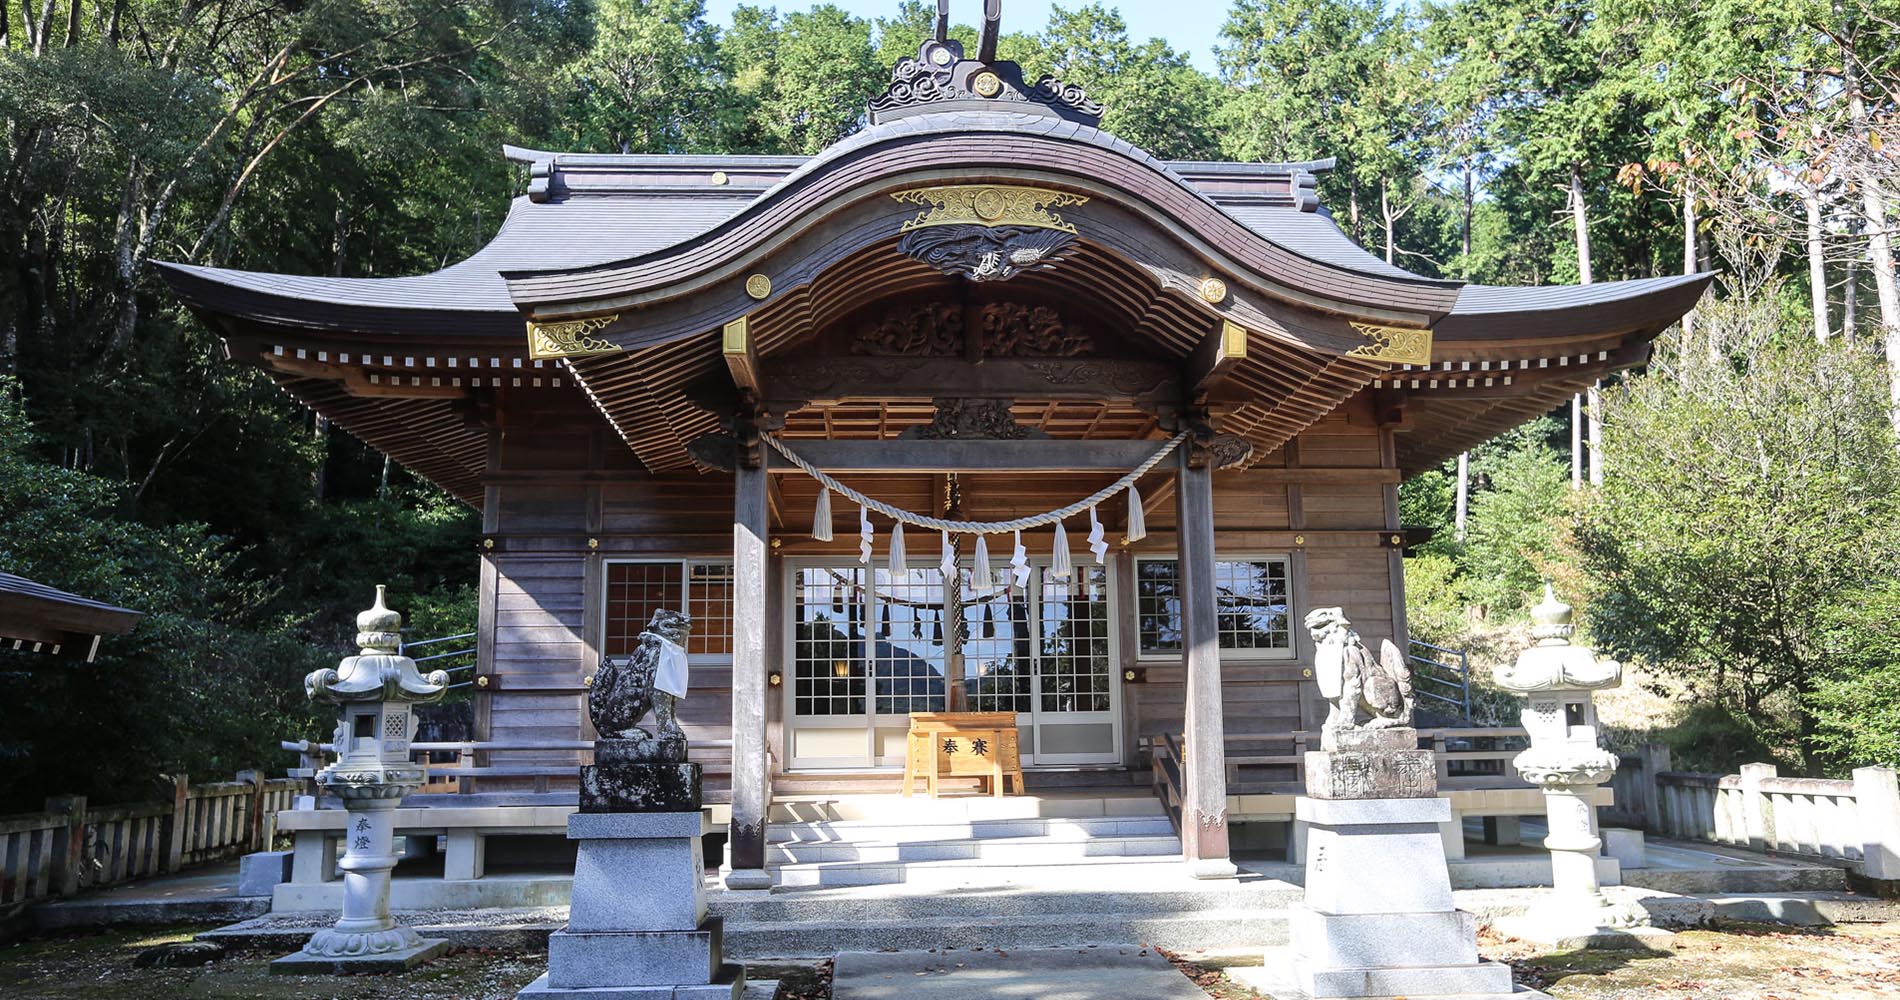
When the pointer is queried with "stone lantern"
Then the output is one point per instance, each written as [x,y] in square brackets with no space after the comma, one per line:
[375,693]
[1556,679]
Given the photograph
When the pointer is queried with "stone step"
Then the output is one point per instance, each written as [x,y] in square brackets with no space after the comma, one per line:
[1092,873]
[898,810]
[1177,895]
[1001,850]
[1067,828]
[1210,929]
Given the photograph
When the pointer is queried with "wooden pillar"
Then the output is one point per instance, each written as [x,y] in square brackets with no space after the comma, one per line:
[750,788]
[1204,804]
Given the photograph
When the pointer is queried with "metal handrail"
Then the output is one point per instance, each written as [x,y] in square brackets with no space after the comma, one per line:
[1456,681]
[430,642]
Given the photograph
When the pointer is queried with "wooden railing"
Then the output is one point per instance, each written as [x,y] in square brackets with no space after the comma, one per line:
[463,774]
[70,846]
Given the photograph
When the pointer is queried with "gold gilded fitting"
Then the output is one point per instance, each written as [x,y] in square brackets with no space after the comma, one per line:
[569,339]
[1397,344]
[758,286]
[988,205]
[1213,290]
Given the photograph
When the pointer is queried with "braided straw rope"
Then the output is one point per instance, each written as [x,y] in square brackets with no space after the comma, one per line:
[977,527]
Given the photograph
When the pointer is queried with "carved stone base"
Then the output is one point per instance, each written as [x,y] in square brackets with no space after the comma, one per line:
[641,748]
[335,956]
[640,788]
[1371,764]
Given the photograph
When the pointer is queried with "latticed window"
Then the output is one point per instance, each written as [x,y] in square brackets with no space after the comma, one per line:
[635,590]
[1073,636]
[1253,608]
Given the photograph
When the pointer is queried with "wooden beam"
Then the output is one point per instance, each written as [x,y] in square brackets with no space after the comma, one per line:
[736,347]
[1219,353]
[969,456]
[793,382]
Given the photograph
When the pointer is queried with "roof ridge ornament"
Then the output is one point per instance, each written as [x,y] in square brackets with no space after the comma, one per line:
[941,78]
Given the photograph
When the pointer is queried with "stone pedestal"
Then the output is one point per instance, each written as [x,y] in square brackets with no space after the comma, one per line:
[637,925]
[1378,918]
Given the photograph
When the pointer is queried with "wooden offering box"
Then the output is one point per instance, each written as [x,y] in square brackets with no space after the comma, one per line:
[963,745]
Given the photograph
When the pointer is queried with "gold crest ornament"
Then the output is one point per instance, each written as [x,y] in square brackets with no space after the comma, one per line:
[988,205]
[1399,345]
[570,338]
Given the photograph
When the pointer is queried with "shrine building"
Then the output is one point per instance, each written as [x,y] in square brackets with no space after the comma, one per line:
[979,308]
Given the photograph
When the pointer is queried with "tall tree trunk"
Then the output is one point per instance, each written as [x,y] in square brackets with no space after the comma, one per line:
[1817,264]
[72,24]
[1880,254]
[320,476]
[1352,212]
[1462,505]
[1581,220]
[113,22]
[1688,253]
[6,36]
[1464,238]
[1385,211]
[1850,299]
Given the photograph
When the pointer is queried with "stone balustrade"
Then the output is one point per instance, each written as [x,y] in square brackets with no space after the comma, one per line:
[1854,823]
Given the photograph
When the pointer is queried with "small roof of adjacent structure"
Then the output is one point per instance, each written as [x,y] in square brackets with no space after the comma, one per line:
[41,619]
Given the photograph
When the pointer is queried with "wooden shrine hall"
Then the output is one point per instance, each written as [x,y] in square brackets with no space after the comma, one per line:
[980,308]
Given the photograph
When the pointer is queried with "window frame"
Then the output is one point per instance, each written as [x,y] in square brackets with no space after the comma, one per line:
[685,564]
[1234,655]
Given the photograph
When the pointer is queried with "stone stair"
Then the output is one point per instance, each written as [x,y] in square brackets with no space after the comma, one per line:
[1069,867]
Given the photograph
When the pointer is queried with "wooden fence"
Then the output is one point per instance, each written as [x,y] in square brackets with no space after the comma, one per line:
[1855,824]
[72,846]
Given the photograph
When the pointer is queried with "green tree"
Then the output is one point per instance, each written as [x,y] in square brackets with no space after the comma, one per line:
[1516,523]
[801,81]
[1154,97]
[1753,494]
[650,81]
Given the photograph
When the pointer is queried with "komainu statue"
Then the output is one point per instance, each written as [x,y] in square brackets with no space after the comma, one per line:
[1349,677]
[654,677]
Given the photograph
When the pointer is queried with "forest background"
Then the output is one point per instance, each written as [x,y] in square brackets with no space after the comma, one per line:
[1726,517]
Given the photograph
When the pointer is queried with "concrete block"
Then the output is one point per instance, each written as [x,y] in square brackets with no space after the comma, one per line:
[1326,941]
[1503,830]
[1626,846]
[1275,978]
[634,826]
[634,958]
[313,857]
[1877,800]
[466,855]
[1452,833]
[1394,872]
[1342,812]
[1486,979]
[638,885]
[731,984]
[261,873]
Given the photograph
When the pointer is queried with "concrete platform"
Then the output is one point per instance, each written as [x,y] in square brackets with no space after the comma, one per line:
[302,963]
[1126,972]
[202,895]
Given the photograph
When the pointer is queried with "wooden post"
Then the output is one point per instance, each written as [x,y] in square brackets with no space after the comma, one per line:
[750,791]
[175,823]
[1204,805]
[254,816]
[69,850]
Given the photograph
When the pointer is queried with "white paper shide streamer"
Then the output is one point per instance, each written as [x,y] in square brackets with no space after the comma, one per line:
[865,535]
[1098,537]
[1019,562]
[670,676]
[949,564]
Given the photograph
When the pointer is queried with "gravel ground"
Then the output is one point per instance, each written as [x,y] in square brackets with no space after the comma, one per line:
[1726,962]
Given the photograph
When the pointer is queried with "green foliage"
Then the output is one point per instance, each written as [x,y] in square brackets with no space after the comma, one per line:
[208,681]
[1750,495]
[1856,700]
[1516,525]
[1435,600]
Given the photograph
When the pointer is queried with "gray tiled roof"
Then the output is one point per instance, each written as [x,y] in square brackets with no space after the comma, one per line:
[21,586]
[1474,300]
